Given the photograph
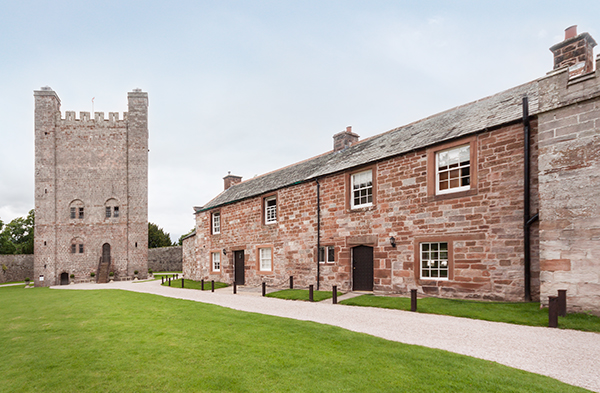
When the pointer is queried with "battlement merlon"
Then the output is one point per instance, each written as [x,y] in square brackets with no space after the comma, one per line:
[113,117]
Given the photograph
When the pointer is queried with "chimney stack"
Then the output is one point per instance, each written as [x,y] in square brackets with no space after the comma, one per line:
[576,52]
[344,139]
[231,180]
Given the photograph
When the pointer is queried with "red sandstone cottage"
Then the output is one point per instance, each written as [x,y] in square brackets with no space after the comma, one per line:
[496,199]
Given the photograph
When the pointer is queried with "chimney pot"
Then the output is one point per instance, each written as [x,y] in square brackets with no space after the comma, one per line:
[349,129]
[570,32]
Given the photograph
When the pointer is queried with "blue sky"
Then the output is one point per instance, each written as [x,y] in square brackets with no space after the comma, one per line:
[251,86]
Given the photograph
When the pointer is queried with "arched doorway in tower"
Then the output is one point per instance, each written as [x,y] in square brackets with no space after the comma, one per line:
[64,278]
[104,267]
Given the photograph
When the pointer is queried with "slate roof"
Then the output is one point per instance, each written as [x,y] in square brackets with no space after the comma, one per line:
[489,112]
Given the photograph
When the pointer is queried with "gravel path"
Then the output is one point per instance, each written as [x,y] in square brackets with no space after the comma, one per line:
[568,355]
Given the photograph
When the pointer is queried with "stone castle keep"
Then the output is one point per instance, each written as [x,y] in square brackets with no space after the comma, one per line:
[91,192]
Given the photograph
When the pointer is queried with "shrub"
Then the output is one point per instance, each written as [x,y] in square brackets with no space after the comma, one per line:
[149,271]
[93,274]
[27,279]
[72,275]
[111,274]
[135,272]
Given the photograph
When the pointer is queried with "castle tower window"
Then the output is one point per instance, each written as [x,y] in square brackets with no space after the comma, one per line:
[80,213]
[73,213]
[73,248]
[107,211]
[116,211]
[81,248]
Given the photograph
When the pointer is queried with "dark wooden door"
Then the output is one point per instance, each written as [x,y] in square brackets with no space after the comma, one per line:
[106,253]
[362,268]
[64,279]
[239,267]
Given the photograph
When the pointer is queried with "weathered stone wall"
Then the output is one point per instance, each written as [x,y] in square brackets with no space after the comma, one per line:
[165,259]
[189,263]
[483,225]
[569,165]
[16,267]
[93,164]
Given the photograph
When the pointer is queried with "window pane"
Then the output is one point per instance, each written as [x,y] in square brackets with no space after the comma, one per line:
[107,211]
[116,211]
[73,248]
[322,254]
[81,248]
[434,260]
[331,254]
[72,212]
[81,212]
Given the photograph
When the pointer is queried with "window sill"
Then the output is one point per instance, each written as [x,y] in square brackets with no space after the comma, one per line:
[452,195]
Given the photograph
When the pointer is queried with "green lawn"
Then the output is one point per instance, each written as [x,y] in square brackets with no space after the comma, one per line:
[518,313]
[120,341]
[301,294]
[191,284]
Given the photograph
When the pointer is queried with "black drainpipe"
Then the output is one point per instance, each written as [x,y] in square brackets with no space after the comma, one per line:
[318,231]
[527,219]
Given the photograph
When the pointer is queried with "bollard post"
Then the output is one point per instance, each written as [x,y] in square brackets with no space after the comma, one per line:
[202,284]
[162,279]
[562,302]
[334,294]
[413,300]
[264,288]
[182,285]
[169,281]
[212,285]
[177,276]
[291,282]
[310,293]
[234,288]
[553,311]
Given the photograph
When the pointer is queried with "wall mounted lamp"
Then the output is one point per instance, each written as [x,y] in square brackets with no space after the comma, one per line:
[224,252]
[393,241]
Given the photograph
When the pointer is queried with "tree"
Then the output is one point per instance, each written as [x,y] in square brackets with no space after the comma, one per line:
[180,242]
[17,236]
[157,237]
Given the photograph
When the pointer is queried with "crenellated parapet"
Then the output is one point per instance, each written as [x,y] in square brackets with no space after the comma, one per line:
[113,120]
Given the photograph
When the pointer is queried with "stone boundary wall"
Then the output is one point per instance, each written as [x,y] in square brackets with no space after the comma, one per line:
[165,259]
[16,267]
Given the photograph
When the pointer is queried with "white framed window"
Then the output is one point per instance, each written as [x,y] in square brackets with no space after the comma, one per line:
[327,254]
[434,260]
[266,260]
[453,170]
[216,261]
[362,189]
[73,213]
[271,210]
[216,223]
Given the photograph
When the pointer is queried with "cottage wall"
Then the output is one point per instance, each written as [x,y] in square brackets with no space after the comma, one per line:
[484,225]
[569,165]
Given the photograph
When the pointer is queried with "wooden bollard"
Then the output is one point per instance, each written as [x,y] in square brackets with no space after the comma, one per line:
[310,293]
[162,279]
[562,302]
[264,288]
[182,284]
[413,300]
[553,311]
[291,282]
[212,285]
[234,288]
[169,281]
[202,284]
[334,294]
